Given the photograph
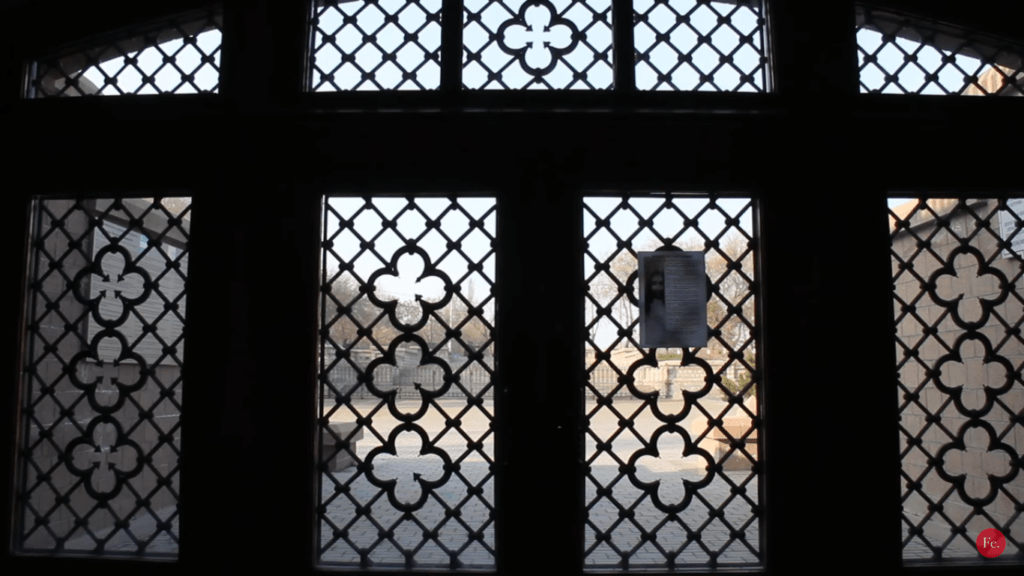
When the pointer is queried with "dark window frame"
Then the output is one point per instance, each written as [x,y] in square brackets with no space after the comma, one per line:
[539,159]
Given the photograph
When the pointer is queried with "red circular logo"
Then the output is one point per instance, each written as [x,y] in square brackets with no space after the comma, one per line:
[991,543]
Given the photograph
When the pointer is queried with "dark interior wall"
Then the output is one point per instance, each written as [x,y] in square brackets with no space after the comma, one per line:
[820,158]
[993,15]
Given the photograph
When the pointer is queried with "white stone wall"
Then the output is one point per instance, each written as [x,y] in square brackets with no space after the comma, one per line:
[948,356]
[56,414]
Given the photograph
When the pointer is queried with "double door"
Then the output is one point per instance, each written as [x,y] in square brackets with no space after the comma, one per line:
[251,417]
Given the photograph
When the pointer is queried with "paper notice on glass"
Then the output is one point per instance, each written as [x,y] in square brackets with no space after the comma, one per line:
[1008,226]
[673,300]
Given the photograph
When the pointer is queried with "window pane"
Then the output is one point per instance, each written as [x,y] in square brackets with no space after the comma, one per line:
[700,45]
[537,44]
[407,391]
[672,434]
[181,56]
[902,55]
[378,45]
[958,308]
[101,402]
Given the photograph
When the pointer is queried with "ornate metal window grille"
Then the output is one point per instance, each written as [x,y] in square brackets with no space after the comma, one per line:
[537,44]
[376,45]
[407,383]
[700,45]
[958,308]
[671,435]
[180,56]
[899,54]
[102,378]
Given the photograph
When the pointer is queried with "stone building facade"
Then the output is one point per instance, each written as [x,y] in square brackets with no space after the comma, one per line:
[102,374]
[959,308]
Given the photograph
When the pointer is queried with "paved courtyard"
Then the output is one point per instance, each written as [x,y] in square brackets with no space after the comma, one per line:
[143,528]
[470,533]
[390,533]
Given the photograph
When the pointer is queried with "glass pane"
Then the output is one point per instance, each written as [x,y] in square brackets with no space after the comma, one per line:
[101,403]
[378,45]
[181,56]
[700,45]
[672,433]
[407,393]
[958,308]
[903,55]
[537,44]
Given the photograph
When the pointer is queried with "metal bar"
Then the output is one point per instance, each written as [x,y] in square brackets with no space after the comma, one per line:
[451,49]
[622,46]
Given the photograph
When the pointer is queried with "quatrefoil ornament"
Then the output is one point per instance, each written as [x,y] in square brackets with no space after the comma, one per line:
[650,458]
[426,393]
[690,397]
[976,375]
[537,36]
[112,461]
[394,269]
[105,266]
[953,305]
[420,470]
[1011,463]
[103,382]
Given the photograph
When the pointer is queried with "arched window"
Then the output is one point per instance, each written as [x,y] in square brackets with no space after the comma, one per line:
[176,56]
[900,54]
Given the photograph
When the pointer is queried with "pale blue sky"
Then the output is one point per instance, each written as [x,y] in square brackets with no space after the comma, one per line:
[187,58]
[624,223]
[597,38]
[911,78]
[455,225]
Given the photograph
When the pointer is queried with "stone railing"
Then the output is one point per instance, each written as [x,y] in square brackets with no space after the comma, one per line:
[474,378]
[604,378]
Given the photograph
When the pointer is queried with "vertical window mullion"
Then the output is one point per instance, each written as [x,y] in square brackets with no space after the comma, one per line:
[813,49]
[539,356]
[622,47]
[16,249]
[451,47]
[264,44]
[827,372]
[207,460]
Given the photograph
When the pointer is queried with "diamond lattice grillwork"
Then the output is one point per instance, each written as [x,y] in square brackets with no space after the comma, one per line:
[101,401]
[537,44]
[700,45]
[958,310]
[376,45]
[672,471]
[407,381]
[901,55]
[182,56]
